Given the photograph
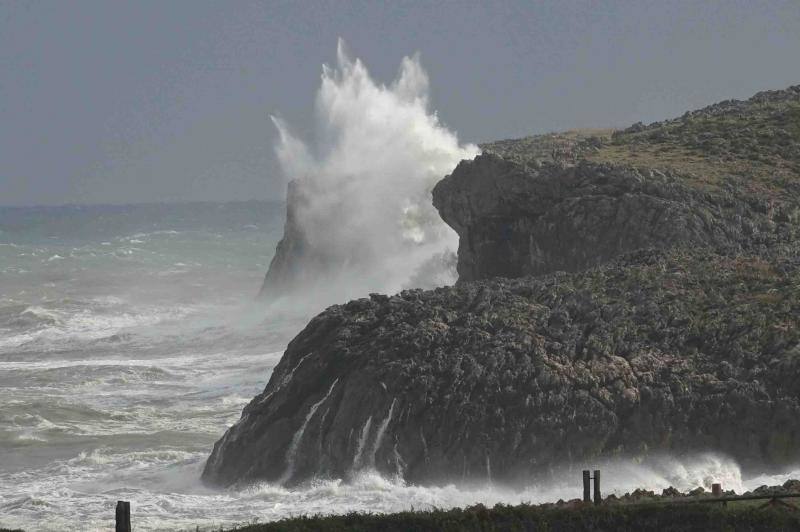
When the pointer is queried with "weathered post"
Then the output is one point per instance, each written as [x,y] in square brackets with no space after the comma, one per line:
[716,491]
[586,493]
[597,498]
[123,516]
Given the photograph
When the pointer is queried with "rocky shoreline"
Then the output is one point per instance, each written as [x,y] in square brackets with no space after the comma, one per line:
[639,510]
[631,294]
[504,379]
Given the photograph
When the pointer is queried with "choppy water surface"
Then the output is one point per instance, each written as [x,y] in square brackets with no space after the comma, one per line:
[129,341]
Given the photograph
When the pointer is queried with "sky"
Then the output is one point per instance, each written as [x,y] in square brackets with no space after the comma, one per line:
[128,102]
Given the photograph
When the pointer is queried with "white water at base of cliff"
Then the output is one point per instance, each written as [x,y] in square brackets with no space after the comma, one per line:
[165,494]
[123,360]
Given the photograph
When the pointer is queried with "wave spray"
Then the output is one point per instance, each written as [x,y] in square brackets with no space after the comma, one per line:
[359,213]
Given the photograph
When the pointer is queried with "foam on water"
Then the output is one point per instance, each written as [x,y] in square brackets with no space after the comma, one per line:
[115,384]
[364,182]
[162,485]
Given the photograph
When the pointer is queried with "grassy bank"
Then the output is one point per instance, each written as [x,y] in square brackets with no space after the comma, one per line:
[711,517]
[680,517]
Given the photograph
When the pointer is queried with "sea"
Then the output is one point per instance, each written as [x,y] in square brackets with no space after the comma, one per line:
[131,337]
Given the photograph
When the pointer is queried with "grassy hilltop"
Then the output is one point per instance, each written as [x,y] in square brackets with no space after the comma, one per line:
[758,139]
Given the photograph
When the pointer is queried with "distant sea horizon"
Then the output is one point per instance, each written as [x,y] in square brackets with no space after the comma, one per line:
[135,203]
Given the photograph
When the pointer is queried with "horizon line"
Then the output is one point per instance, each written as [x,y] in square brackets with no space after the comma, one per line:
[136,203]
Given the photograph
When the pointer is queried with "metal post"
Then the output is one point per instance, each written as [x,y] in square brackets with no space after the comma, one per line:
[123,516]
[586,493]
[597,498]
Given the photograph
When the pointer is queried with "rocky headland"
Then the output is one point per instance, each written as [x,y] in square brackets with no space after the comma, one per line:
[723,176]
[293,254]
[619,294]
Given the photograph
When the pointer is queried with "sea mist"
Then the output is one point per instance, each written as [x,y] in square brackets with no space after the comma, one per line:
[361,191]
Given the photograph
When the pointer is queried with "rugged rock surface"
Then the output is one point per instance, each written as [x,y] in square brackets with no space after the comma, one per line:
[654,306]
[515,220]
[505,379]
[292,255]
[724,176]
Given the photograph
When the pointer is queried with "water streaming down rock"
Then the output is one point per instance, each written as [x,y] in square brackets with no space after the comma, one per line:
[380,433]
[291,453]
[635,352]
[582,366]
[362,444]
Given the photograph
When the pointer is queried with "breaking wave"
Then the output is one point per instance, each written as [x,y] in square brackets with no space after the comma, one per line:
[363,185]
[162,485]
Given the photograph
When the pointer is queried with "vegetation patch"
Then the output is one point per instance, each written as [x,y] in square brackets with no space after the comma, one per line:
[632,518]
[756,140]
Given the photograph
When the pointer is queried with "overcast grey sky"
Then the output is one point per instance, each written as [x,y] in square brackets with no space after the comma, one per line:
[121,102]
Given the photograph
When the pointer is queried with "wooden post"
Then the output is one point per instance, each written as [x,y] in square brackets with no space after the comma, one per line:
[586,488]
[597,498]
[716,490]
[123,516]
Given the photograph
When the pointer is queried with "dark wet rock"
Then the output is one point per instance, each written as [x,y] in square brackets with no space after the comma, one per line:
[768,490]
[619,295]
[294,256]
[514,220]
[506,379]
[792,486]
[640,494]
[725,177]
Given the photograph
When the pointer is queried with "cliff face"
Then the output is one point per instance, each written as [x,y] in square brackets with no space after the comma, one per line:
[619,294]
[504,379]
[725,176]
[514,220]
[293,255]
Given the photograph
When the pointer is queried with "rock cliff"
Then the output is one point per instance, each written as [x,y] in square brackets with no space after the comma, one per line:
[619,294]
[504,379]
[293,255]
[724,176]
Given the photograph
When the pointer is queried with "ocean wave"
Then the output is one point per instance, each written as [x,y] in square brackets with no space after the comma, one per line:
[106,456]
[85,487]
[60,324]
[162,480]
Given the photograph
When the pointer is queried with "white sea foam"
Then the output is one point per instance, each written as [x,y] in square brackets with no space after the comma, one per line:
[162,485]
[366,181]
[115,382]
[57,327]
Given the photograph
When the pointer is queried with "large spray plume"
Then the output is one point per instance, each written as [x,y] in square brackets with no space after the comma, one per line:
[360,214]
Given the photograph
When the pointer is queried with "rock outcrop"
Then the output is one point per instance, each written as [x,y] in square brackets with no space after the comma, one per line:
[293,255]
[619,294]
[504,379]
[725,176]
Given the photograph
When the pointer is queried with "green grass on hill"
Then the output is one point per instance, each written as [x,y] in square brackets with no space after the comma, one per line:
[622,518]
[756,140]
